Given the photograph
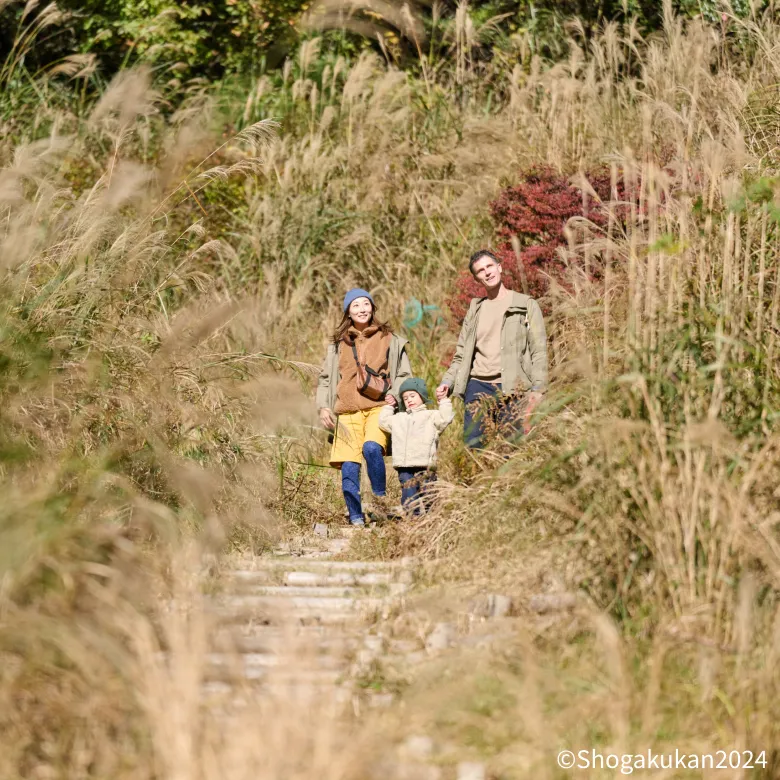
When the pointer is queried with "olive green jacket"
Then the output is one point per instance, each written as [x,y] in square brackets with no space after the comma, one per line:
[398,368]
[523,348]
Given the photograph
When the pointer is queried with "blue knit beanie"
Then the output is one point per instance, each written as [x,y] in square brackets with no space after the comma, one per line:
[416,384]
[354,293]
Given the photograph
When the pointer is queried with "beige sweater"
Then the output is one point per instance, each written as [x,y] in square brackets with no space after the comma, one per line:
[487,350]
[416,433]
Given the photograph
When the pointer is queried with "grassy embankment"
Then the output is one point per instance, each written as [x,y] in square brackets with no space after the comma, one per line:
[159,314]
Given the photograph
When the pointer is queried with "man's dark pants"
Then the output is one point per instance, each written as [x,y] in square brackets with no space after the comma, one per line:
[486,406]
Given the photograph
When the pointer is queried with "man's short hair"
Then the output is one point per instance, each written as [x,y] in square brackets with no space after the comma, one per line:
[478,255]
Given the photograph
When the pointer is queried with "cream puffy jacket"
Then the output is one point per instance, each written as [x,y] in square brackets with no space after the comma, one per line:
[415,433]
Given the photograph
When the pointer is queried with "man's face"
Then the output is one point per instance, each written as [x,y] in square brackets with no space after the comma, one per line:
[487,271]
[361,311]
[412,399]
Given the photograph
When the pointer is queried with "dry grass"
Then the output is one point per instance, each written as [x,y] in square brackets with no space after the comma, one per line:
[164,300]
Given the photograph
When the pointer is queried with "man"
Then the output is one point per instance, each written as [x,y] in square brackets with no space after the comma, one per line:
[501,355]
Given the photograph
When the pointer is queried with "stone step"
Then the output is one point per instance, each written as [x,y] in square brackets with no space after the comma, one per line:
[248,587]
[324,550]
[293,626]
[281,647]
[304,618]
[286,591]
[358,578]
[294,632]
[278,611]
[286,675]
[292,604]
[319,565]
[266,640]
[254,664]
[225,695]
[302,578]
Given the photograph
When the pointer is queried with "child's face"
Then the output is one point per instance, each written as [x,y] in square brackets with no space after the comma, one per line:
[412,399]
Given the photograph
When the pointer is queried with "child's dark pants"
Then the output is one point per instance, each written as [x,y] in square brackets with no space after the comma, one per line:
[415,496]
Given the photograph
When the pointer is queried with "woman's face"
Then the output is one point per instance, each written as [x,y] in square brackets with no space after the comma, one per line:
[361,311]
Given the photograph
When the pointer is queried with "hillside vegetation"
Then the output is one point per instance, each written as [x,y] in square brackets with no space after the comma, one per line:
[174,254]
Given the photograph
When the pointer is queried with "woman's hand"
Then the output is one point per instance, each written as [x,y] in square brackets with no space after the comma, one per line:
[391,401]
[326,418]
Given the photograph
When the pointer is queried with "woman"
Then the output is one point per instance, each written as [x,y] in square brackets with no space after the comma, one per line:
[352,416]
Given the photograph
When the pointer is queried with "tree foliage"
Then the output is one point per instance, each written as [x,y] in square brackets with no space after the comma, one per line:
[207,38]
[212,37]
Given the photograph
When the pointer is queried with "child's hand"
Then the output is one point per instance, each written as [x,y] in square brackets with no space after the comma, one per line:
[391,401]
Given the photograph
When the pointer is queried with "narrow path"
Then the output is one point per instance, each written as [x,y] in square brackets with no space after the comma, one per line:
[301,624]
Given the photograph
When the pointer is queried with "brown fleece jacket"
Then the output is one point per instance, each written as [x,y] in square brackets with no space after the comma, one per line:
[372,346]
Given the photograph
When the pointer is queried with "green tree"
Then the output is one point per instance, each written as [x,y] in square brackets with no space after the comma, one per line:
[207,38]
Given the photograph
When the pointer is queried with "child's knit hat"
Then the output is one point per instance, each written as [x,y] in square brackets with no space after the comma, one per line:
[416,384]
[353,295]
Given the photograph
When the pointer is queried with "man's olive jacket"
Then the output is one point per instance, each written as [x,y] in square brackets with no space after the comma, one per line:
[523,348]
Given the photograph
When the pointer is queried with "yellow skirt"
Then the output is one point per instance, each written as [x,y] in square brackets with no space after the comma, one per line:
[353,430]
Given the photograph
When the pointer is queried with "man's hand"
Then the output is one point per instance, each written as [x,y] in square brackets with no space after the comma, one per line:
[534,399]
[326,418]
[391,401]
[442,391]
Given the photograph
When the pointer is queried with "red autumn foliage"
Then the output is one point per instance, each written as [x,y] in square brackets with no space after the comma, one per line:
[536,211]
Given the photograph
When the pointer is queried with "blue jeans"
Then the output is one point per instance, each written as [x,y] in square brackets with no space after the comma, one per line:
[414,489]
[485,405]
[350,480]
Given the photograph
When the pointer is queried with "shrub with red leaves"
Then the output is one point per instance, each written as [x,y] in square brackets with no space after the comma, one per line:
[536,211]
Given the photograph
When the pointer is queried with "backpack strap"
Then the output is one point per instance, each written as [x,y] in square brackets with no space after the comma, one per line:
[368,368]
[524,312]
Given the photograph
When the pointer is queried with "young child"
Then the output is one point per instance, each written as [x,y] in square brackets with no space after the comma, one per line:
[415,431]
